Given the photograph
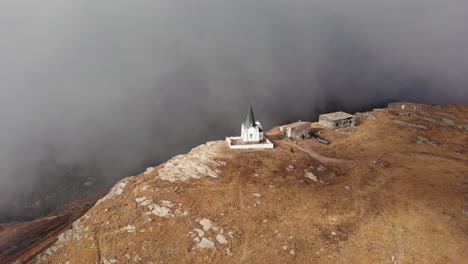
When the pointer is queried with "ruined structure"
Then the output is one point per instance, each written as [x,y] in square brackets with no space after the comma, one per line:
[337,120]
[295,129]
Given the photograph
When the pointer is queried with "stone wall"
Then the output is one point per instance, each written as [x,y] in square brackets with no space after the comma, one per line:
[265,145]
[337,124]
[296,130]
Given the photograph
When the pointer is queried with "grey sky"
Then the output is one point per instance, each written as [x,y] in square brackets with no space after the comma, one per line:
[121,83]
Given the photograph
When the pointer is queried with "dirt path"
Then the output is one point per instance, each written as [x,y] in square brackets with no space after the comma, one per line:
[325,159]
[315,155]
[426,154]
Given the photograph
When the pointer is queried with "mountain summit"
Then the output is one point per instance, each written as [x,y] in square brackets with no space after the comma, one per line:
[390,190]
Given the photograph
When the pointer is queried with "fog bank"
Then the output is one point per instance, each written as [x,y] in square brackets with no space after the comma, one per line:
[105,88]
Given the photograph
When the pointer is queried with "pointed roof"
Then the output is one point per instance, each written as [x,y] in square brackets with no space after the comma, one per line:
[250,120]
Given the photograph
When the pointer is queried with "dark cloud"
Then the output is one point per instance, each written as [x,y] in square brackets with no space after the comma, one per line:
[112,86]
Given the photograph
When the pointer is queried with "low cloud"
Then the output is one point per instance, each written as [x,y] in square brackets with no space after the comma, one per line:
[106,88]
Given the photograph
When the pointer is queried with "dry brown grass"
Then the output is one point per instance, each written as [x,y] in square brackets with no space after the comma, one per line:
[398,201]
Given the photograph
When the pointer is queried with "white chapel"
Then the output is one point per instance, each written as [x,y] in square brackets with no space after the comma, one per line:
[251,130]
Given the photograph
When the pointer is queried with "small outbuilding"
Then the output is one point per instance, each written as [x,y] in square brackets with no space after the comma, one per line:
[337,120]
[295,130]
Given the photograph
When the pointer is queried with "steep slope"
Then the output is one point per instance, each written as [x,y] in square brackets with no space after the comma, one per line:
[391,190]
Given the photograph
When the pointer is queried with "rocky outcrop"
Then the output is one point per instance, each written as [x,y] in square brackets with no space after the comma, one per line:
[403,123]
[115,191]
[202,161]
[368,115]
[425,140]
[421,112]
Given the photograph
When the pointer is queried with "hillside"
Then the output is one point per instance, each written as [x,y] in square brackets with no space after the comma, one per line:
[26,239]
[391,190]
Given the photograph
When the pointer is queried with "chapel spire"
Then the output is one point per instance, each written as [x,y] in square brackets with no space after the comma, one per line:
[250,119]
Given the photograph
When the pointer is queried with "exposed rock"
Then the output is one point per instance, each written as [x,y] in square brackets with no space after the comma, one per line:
[425,118]
[65,236]
[464,126]
[140,199]
[163,209]
[221,239]
[447,122]
[199,232]
[321,168]
[77,228]
[403,123]
[198,163]
[425,140]
[146,202]
[178,212]
[366,114]
[400,113]
[206,243]
[166,203]
[130,228]
[149,170]
[310,176]
[206,223]
[115,191]
[159,210]
[369,117]
[465,212]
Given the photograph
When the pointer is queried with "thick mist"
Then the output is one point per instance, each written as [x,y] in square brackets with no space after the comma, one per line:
[105,88]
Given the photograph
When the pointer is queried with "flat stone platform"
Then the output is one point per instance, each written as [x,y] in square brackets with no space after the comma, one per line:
[237,143]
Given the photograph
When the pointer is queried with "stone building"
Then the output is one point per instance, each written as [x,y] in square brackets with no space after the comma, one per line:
[337,120]
[295,129]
